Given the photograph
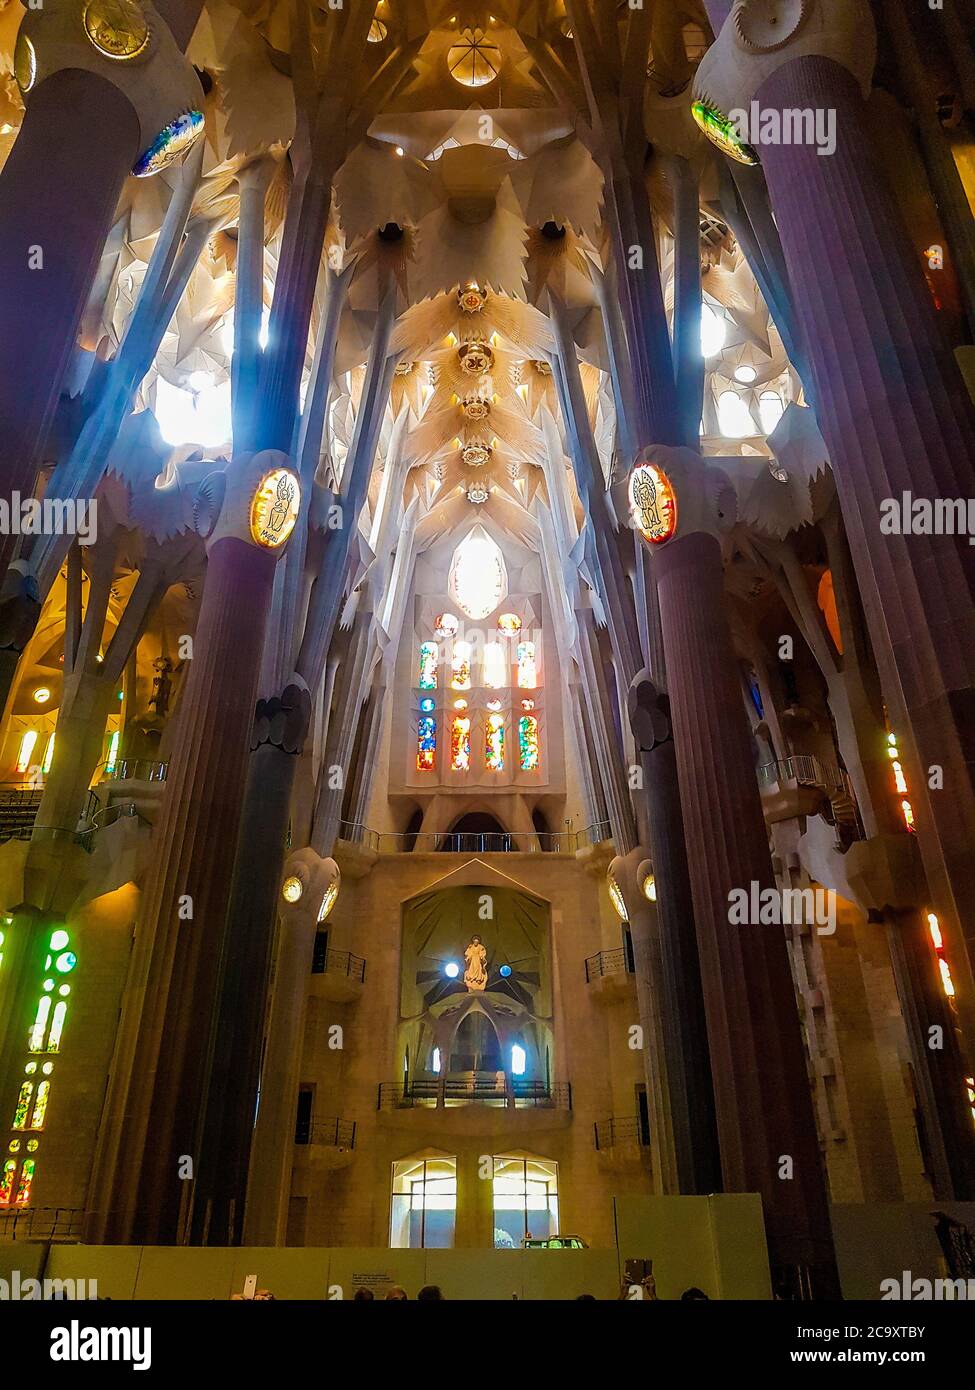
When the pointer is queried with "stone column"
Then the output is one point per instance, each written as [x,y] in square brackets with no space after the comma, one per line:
[88,118]
[58,191]
[765,1119]
[895,413]
[159,1087]
[691,1094]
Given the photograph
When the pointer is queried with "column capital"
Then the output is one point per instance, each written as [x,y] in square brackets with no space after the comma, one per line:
[130,46]
[758,38]
[309,887]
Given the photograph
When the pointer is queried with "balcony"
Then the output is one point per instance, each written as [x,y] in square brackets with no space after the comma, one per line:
[475,1088]
[474,1105]
[336,975]
[609,975]
[805,786]
[324,1145]
[622,1143]
[463,842]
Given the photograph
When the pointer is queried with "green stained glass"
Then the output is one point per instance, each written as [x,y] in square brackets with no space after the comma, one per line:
[722,133]
[23,1105]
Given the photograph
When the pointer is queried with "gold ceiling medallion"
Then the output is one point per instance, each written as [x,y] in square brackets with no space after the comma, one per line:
[274,509]
[475,358]
[471,297]
[475,408]
[403,368]
[476,455]
[119,29]
[653,503]
[477,493]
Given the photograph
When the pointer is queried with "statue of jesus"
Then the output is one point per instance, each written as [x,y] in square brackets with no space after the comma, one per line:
[475,956]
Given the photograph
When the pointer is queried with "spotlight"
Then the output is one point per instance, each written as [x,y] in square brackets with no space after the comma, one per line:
[451,970]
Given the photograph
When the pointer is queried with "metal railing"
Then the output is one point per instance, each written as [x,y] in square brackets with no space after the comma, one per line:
[609,1133]
[135,770]
[107,815]
[807,771]
[607,963]
[19,805]
[339,963]
[332,1133]
[41,1223]
[480,1088]
[473,842]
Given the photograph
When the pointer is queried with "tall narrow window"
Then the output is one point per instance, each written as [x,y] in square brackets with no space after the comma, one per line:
[112,758]
[426,743]
[26,749]
[527,670]
[494,742]
[48,755]
[528,742]
[23,1105]
[429,653]
[25,1184]
[495,666]
[40,1105]
[460,744]
[460,666]
[7,1182]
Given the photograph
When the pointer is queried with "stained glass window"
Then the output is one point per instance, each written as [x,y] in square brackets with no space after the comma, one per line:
[24,1186]
[39,1027]
[429,654]
[461,666]
[7,1182]
[426,743]
[495,666]
[23,1105]
[447,624]
[527,672]
[509,624]
[494,742]
[528,742]
[40,1105]
[57,1024]
[460,744]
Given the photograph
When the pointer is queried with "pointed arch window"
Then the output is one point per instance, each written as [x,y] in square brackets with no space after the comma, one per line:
[478,577]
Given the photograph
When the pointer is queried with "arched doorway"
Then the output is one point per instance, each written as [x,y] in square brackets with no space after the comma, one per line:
[477,832]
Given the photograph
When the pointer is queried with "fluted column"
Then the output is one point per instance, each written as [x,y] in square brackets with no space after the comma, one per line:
[764,1108]
[191,863]
[896,415]
[58,192]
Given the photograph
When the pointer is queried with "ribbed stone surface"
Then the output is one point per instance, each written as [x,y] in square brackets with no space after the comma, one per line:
[897,418]
[58,192]
[762,1094]
[192,854]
